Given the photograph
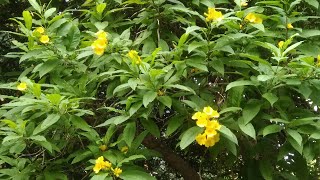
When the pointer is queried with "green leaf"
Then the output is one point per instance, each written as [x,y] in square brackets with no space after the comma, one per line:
[239,83]
[81,156]
[313,3]
[49,121]
[100,8]
[49,12]
[151,126]
[295,135]
[264,77]
[47,67]
[259,27]
[197,64]
[36,90]
[218,65]
[315,135]
[79,123]
[38,138]
[73,38]
[295,144]
[270,97]
[136,175]
[129,133]
[149,97]
[165,100]
[11,137]
[131,158]
[54,98]
[100,176]
[291,47]
[225,132]
[307,33]
[251,109]
[27,19]
[173,124]
[230,109]
[273,128]
[185,88]
[191,29]
[114,120]
[189,136]
[183,39]
[35,5]
[135,107]
[247,128]
[266,169]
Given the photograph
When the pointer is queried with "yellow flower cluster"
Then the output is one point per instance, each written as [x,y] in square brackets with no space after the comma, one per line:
[134,56]
[213,15]
[100,43]
[253,18]
[101,164]
[43,38]
[22,86]
[206,119]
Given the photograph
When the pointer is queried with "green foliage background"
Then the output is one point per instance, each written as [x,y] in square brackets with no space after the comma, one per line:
[268,97]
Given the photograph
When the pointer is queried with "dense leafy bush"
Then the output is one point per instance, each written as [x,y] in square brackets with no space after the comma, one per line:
[217,89]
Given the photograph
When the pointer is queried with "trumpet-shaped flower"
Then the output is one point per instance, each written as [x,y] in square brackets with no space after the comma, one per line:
[117,171]
[213,15]
[102,35]
[253,18]
[44,39]
[101,164]
[214,124]
[210,112]
[201,139]
[22,86]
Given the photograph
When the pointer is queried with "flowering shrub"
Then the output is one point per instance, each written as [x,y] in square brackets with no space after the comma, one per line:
[110,85]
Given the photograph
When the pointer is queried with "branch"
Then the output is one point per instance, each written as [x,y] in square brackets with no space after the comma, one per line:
[174,161]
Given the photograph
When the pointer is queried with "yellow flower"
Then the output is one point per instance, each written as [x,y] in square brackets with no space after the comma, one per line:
[135,58]
[253,18]
[196,115]
[101,164]
[101,35]
[22,86]
[99,46]
[117,171]
[124,149]
[244,3]
[280,44]
[44,39]
[203,120]
[213,15]
[201,139]
[214,124]
[211,141]
[210,132]
[103,147]
[289,26]
[210,112]
[40,30]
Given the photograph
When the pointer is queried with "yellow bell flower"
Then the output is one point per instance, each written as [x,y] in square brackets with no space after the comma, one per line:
[201,139]
[210,132]
[101,35]
[40,30]
[211,141]
[253,18]
[103,147]
[214,124]
[101,164]
[213,15]
[22,86]
[44,39]
[289,26]
[210,112]
[135,58]
[280,44]
[117,171]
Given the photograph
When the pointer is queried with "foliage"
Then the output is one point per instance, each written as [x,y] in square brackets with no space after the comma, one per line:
[99,80]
